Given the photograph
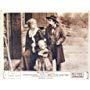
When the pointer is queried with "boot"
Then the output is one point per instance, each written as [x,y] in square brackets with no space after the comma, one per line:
[58,67]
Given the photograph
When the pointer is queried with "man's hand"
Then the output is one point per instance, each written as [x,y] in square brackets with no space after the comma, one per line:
[58,42]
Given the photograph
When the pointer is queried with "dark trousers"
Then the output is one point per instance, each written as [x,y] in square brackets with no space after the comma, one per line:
[33,59]
[29,60]
[26,60]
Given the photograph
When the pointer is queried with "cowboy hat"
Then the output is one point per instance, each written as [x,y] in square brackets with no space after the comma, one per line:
[54,18]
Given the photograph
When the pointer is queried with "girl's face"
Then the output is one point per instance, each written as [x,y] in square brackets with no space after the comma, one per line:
[42,45]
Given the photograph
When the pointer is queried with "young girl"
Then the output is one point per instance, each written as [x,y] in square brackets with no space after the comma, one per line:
[43,61]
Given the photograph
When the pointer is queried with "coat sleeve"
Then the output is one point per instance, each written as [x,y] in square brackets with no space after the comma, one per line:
[61,36]
[41,36]
[47,36]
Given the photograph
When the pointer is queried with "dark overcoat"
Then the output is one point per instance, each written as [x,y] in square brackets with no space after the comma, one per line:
[51,39]
[29,40]
[29,56]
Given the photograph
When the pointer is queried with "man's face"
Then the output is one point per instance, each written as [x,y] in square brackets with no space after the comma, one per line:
[51,22]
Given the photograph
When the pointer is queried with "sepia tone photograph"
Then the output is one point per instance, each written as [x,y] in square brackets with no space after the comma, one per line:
[46,42]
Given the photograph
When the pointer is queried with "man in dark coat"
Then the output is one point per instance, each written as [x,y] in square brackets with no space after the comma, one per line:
[54,38]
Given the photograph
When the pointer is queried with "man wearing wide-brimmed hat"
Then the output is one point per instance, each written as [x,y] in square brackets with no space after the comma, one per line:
[55,38]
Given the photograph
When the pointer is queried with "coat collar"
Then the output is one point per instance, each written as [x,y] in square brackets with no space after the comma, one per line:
[32,33]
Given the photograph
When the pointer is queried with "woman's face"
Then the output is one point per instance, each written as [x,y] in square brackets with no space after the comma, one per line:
[33,25]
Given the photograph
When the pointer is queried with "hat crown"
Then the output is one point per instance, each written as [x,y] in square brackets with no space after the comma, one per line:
[54,17]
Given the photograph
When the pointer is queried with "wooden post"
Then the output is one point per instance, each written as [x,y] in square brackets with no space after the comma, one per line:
[22,31]
[7,42]
[1,44]
[15,37]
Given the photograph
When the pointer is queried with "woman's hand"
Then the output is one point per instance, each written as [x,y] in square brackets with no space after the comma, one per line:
[33,47]
[33,44]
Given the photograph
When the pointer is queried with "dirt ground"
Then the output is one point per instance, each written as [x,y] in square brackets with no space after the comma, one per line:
[76,55]
[75,51]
